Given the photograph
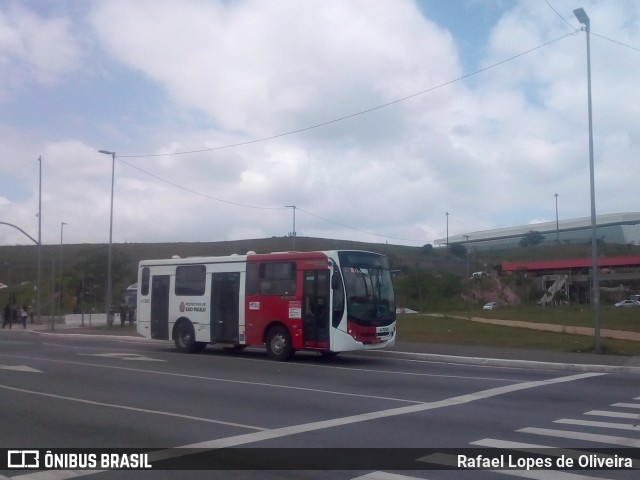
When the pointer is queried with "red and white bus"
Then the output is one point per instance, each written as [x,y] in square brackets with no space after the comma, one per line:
[333,301]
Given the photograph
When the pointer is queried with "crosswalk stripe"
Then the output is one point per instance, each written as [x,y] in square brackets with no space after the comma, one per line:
[449,460]
[548,475]
[443,459]
[626,405]
[523,447]
[605,413]
[385,476]
[535,448]
[589,437]
[591,423]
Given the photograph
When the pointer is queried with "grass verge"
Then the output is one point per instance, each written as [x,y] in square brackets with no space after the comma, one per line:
[446,329]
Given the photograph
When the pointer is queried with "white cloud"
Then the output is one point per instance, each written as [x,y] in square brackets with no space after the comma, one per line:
[34,48]
[263,66]
[491,150]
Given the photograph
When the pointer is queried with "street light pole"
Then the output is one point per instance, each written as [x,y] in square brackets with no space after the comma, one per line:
[39,268]
[293,234]
[583,18]
[557,228]
[448,255]
[62,224]
[109,286]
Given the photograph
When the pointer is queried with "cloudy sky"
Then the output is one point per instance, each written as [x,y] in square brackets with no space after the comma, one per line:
[373,118]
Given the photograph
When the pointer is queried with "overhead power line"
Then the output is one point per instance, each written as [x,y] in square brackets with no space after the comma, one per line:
[563,19]
[615,41]
[181,187]
[356,114]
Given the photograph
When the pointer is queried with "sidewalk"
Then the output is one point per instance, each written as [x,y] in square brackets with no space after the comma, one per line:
[91,324]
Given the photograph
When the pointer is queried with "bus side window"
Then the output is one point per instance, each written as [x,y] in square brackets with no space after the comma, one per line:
[144,283]
[191,280]
[251,287]
[277,278]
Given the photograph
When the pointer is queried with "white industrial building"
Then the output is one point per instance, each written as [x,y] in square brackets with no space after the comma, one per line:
[614,228]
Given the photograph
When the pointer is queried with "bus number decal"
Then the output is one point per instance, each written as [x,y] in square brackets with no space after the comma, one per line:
[254,305]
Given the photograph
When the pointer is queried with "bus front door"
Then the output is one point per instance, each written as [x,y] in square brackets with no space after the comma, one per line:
[225,307]
[315,308]
[160,307]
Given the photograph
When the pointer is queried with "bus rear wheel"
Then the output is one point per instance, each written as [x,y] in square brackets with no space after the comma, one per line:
[185,338]
[279,343]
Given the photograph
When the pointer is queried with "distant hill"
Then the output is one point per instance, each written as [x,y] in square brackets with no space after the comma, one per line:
[22,258]
[85,265]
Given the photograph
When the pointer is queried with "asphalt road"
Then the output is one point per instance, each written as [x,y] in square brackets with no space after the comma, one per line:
[103,392]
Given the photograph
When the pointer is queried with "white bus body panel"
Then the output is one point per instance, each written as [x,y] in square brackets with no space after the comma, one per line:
[195,308]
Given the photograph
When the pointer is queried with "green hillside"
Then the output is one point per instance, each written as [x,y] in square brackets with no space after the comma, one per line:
[86,264]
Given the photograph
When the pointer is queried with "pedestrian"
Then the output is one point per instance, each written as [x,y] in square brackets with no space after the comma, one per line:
[123,314]
[23,316]
[6,316]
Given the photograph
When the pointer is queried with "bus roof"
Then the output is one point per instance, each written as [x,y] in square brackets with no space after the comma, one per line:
[250,256]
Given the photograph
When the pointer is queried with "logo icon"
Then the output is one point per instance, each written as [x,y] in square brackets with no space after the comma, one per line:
[23,459]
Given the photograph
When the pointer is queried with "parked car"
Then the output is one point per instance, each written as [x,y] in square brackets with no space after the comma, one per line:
[628,303]
[490,306]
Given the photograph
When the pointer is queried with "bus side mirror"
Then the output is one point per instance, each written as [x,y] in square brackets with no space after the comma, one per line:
[335,281]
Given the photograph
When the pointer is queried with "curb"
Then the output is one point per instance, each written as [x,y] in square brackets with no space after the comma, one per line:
[111,337]
[511,363]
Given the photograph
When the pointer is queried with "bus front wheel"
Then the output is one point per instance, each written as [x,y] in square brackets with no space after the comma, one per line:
[279,343]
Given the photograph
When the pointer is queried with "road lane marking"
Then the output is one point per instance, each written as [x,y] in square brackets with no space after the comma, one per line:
[225,380]
[591,423]
[626,405]
[135,409]
[19,368]
[588,437]
[605,413]
[363,417]
[123,356]
[264,435]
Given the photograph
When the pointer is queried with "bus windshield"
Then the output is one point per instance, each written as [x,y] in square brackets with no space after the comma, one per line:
[368,288]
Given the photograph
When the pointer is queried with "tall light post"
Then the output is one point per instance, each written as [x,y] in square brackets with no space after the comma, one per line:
[557,227]
[108,300]
[39,268]
[466,247]
[293,234]
[448,256]
[583,18]
[62,224]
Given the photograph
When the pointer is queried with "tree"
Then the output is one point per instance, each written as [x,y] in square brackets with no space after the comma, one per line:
[531,239]
[458,250]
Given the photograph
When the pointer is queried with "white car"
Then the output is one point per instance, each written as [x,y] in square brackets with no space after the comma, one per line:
[628,303]
[490,306]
